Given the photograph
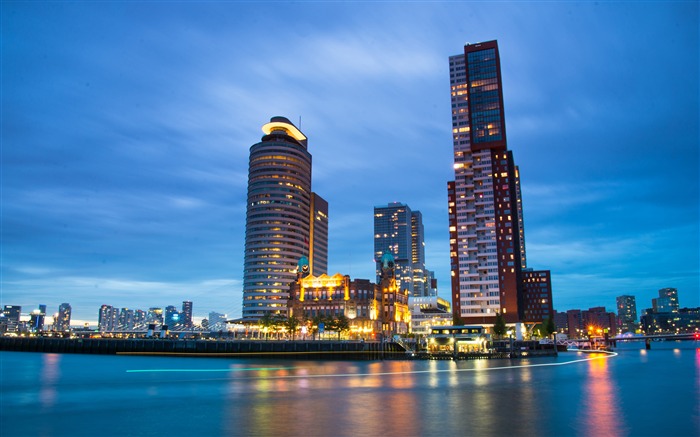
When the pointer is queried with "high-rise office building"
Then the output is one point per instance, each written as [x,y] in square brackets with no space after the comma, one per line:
[62,321]
[318,246]
[172,317]
[187,314]
[392,233]
[12,312]
[421,287]
[627,313]
[284,219]
[399,231]
[37,318]
[669,297]
[487,242]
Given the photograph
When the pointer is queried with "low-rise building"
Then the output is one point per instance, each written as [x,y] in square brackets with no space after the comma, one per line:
[427,312]
[370,308]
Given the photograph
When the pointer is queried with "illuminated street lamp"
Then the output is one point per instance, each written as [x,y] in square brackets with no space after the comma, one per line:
[510,336]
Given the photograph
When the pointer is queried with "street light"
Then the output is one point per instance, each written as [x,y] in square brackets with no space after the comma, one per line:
[510,336]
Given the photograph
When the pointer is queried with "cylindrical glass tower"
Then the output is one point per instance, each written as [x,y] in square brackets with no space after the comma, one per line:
[277,218]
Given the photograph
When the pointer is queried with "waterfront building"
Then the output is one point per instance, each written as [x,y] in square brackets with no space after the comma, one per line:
[12,314]
[369,308]
[667,302]
[217,322]
[574,323]
[105,318]
[487,239]
[537,296]
[154,316]
[284,219]
[62,322]
[318,232]
[37,318]
[3,323]
[561,323]
[399,230]
[428,311]
[140,319]
[187,314]
[126,320]
[684,321]
[626,313]
[172,317]
[598,321]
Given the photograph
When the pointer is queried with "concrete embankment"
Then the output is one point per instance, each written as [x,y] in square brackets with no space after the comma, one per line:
[302,350]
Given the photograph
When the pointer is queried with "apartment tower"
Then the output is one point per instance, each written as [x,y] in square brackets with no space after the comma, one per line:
[627,313]
[284,219]
[487,245]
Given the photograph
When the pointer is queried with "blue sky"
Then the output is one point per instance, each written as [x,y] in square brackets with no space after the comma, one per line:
[126,129]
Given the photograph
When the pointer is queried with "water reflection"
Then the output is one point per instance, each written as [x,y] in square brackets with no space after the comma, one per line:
[601,409]
[50,373]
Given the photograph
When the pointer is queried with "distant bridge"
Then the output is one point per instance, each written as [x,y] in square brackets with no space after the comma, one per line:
[586,343]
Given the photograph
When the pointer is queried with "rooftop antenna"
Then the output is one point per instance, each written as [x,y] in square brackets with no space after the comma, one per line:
[300,122]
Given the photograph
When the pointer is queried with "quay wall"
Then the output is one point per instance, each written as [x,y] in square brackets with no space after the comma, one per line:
[298,350]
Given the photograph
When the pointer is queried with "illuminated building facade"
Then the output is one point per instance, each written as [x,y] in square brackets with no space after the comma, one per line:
[594,321]
[370,308]
[428,311]
[12,314]
[187,314]
[399,230]
[284,219]
[537,296]
[155,316]
[37,318]
[667,302]
[487,240]
[62,322]
[626,313]
[172,317]
[107,318]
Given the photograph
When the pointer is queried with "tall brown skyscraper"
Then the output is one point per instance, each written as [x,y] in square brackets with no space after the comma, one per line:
[487,243]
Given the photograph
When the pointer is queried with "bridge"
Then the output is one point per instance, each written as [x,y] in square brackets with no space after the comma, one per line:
[597,342]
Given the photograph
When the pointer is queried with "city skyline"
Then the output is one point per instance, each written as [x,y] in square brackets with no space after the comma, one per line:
[126,130]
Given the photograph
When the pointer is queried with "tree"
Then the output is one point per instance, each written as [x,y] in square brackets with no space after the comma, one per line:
[341,324]
[499,327]
[548,328]
[292,323]
[267,322]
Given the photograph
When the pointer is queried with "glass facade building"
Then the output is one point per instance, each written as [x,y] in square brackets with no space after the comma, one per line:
[399,231]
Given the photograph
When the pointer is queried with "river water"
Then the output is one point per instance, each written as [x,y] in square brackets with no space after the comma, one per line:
[634,392]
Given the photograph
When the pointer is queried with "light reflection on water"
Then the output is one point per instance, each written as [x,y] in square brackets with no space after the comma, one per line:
[601,415]
[244,397]
[50,373]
